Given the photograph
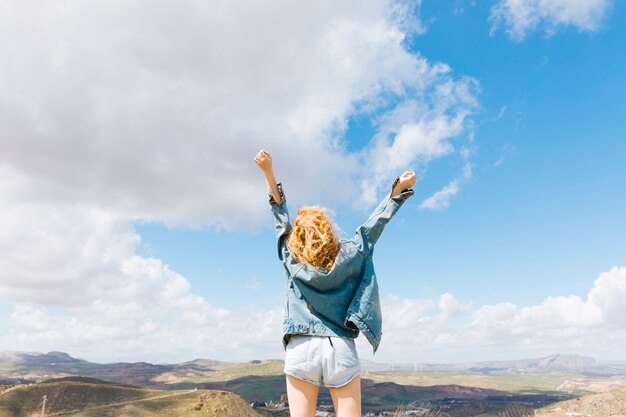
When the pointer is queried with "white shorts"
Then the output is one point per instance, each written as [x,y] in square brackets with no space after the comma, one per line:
[327,361]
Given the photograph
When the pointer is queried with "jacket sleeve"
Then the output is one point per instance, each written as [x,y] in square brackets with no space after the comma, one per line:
[281,221]
[368,233]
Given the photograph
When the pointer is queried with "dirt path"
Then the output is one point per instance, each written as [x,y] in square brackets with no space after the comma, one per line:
[560,387]
[158,397]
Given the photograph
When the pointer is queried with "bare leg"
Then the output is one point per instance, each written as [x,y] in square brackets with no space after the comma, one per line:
[302,397]
[347,399]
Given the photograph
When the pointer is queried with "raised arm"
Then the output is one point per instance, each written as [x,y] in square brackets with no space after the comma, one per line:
[368,233]
[277,202]
[264,160]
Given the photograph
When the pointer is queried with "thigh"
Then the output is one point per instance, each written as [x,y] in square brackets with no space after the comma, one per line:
[302,397]
[347,398]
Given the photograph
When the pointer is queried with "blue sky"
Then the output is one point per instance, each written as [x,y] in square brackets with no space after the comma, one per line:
[525,258]
[543,222]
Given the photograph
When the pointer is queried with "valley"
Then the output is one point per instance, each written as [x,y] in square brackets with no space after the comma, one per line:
[512,389]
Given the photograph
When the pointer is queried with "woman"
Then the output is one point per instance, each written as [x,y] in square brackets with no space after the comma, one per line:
[332,296]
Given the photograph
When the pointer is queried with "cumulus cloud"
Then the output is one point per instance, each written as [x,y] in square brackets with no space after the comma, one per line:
[155,111]
[64,254]
[436,329]
[414,133]
[99,290]
[520,17]
[103,331]
[115,111]
[78,286]
[451,307]
[557,314]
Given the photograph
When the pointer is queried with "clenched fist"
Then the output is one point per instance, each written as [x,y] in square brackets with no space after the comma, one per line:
[264,160]
[407,180]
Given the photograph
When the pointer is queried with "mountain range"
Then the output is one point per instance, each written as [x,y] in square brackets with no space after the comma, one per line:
[494,387]
[37,365]
[553,363]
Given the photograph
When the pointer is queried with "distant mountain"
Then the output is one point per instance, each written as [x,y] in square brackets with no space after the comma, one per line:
[200,364]
[65,360]
[38,358]
[563,363]
[38,366]
[553,363]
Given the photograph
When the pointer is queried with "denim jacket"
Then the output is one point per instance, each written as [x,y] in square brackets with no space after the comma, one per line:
[343,300]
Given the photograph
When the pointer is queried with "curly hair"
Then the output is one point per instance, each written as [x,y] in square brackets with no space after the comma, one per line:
[313,239]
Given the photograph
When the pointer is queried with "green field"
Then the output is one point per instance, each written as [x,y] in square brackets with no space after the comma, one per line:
[526,383]
[545,383]
[238,370]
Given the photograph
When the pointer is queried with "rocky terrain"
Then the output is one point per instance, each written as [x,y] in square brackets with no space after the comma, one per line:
[606,404]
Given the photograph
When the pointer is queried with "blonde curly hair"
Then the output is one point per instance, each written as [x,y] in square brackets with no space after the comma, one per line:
[313,239]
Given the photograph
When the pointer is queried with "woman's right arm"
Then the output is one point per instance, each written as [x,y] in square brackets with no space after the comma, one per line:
[277,201]
[264,160]
[368,233]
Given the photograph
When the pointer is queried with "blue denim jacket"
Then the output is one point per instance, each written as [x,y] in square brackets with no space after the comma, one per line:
[341,301]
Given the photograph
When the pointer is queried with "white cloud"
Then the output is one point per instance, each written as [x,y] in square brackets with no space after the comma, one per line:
[439,330]
[605,302]
[147,332]
[451,307]
[113,104]
[113,111]
[441,199]
[520,17]
[63,254]
[112,300]
[77,285]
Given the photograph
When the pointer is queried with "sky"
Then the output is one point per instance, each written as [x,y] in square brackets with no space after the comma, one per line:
[135,226]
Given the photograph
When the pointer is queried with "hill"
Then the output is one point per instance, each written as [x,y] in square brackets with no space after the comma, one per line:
[37,358]
[470,389]
[89,397]
[38,366]
[455,399]
[606,404]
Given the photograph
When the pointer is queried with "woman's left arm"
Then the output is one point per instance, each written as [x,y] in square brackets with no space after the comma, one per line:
[369,232]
